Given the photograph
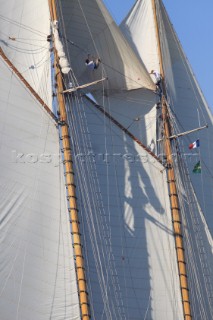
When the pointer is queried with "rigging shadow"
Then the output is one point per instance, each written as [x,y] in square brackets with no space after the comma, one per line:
[127,228]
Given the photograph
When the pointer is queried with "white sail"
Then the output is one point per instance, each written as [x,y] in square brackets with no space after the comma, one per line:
[190,110]
[91,30]
[198,246]
[125,214]
[140,30]
[136,111]
[123,201]
[24,27]
[37,272]
[185,97]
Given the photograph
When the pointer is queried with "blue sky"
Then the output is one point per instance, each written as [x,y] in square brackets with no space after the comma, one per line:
[193,23]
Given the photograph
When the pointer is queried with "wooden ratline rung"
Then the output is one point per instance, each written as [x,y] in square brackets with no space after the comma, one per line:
[79,245]
[176,221]
[171,180]
[83,291]
[74,221]
[177,234]
[86,314]
[73,211]
[71,197]
[70,185]
[80,256]
[65,137]
[84,302]
[67,161]
[62,123]
[65,149]
[81,267]
[69,172]
[180,248]
[78,233]
[175,208]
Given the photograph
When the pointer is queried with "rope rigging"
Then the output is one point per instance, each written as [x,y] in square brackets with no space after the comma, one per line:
[87,200]
[23,26]
[78,137]
[103,63]
[188,203]
[29,54]
[192,217]
[90,185]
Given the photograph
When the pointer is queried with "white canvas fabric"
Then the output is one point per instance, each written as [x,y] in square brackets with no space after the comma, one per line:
[140,30]
[137,111]
[190,110]
[90,28]
[125,214]
[198,247]
[24,27]
[37,272]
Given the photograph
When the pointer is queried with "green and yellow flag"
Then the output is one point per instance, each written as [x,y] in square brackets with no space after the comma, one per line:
[197,168]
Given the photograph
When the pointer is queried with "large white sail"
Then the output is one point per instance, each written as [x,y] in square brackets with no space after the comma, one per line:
[136,111]
[123,201]
[24,27]
[37,272]
[190,110]
[185,97]
[140,30]
[125,214]
[91,30]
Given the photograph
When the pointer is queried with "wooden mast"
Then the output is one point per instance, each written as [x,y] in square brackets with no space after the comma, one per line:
[175,208]
[70,185]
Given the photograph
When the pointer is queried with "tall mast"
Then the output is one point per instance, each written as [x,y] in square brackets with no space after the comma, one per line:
[175,208]
[70,185]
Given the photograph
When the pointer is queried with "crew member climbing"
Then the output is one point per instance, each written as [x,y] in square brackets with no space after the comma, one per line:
[158,80]
[92,63]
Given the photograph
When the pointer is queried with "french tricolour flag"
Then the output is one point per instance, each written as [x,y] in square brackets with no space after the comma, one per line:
[195,144]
